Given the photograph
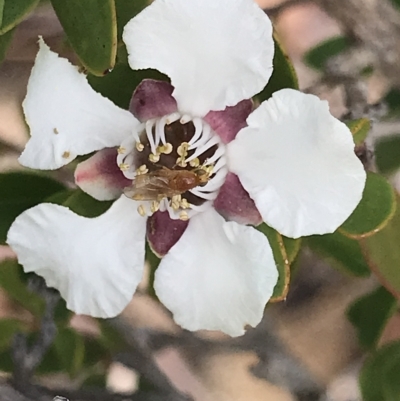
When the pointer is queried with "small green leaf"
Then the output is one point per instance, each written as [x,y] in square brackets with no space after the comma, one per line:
[382,252]
[377,207]
[387,154]
[283,75]
[372,377]
[120,83]
[5,41]
[370,314]
[360,129]
[391,378]
[91,29]
[11,281]
[6,362]
[84,205]
[1,11]
[14,11]
[344,253]
[153,260]
[126,10]
[282,260]
[319,55]
[8,328]
[21,191]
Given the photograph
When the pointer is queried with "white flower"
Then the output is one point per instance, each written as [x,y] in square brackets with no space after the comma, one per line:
[288,163]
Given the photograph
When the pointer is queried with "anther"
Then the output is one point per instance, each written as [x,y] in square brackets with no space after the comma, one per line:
[141,210]
[123,166]
[184,204]
[172,118]
[185,119]
[66,155]
[183,149]
[181,162]
[154,158]
[165,149]
[154,206]
[139,146]
[195,162]
[142,169]
[184,216]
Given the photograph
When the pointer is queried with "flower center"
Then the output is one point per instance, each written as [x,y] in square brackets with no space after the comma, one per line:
[178,165]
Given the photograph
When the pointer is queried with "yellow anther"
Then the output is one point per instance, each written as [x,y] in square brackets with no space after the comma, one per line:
[154,206]
[121,150]
[154,158]
[166,149]
[184,216]
[209,169]
[142,170]
[55,130]
[183,149]
[195,162]
[124,166]
[139,146]
[184,204]
[181,162]
[66,155]
[141,210]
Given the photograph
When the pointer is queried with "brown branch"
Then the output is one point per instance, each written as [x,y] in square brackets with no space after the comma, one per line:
[375,24]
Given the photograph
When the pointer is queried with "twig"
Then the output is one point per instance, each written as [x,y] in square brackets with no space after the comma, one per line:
[141,360]
[27,360]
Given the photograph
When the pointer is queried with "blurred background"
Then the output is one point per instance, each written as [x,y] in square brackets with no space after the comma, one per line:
[305,348]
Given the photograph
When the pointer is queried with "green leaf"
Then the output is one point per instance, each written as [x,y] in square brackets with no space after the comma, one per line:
[120,83]
[5,41]
[11,281]
[387,154]
[84,205]
[8,328]
[1,11]
[392,100]
[344,253]
[282,259]
[283,75]
[319,55]
[70,349]
[127,9]
[14,11]
[377,207]
[153,260]
[373,374]
[91,29]
[391,378]
[6,362]
[21,191]
[360,129]
[370,314]
[382,252]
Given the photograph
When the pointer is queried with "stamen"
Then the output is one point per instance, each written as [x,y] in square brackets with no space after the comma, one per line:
[141,210]
[185,119]
[205,136]
[195,162]
[165,149]
[183,149]
[124,166]
[160,130]
[184,204]
[201,149]
[184,216]
[172,118]
[142,170]
[154,206]
[149,133]
[121,150]
[176,201]
[139,146]
[154,158]
[198,129]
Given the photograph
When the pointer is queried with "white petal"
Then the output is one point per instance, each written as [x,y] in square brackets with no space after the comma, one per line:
[66,116]
[218,276]
[96,264]
[298,164]
[215,52]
